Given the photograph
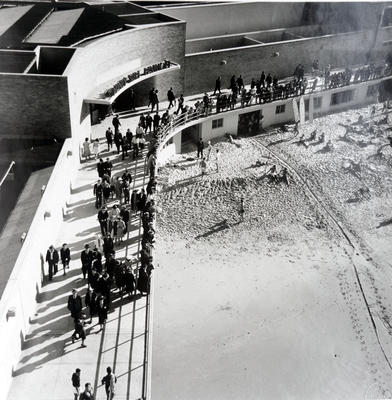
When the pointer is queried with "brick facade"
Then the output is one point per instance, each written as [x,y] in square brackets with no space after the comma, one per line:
[34,105]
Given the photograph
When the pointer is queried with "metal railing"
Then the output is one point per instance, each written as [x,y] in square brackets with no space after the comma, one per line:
[250,101]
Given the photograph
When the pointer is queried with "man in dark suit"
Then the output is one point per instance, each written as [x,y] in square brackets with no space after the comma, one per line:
[75,305]
[65,256]
[218,85]
[87,259]
[116,123]
[157,120]
[171,98]
[103,217]
[52,257]
[155,101]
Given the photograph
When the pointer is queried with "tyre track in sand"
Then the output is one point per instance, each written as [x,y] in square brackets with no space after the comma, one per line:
[356,252]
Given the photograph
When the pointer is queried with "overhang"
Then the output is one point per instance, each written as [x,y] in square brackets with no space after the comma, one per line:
[105,93]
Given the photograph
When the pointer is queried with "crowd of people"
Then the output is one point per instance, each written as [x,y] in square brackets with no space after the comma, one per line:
[269,88]
[105,273]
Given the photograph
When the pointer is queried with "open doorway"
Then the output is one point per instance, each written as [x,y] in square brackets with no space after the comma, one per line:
[249,124]
[189,138]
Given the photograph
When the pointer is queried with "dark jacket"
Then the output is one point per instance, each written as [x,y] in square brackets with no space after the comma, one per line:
[75,380]
[87,258]
[55,258]
[75,305]
[65,255]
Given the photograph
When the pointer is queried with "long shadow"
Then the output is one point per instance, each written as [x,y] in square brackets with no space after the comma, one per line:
[385,223]
[81,189]
[76,283]
[280,141]
[220,226]
[81,203]
[182,183]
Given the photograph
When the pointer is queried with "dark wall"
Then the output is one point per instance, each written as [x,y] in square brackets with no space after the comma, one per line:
[351,15]
[202,70]
[34,105]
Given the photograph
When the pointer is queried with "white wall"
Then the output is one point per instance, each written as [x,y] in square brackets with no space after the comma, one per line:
[26,278]
[268,110]
[230,125]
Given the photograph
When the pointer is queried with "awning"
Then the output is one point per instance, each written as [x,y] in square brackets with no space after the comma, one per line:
[107,92]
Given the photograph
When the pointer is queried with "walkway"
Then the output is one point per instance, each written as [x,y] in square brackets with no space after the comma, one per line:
[49,358]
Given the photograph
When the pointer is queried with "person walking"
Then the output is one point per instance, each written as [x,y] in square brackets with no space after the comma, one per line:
[100,168]
[109,381]
[120,230]
[155,101]
[98,192]
[75,305]
[79,331]
[109,138]
[86,149]
[96,148]
[102,312]
[217,159]
[90,302]
[180,104]
[200,148]
[157,120]
[88,393]
[76,383]
[218,85]
[65,255]
[52,258]
[108,245]
[171,98]
[87,258]
[148,125]
[118,141]
[116,124]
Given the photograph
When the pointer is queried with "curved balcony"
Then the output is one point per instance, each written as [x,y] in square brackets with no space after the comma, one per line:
[254,102]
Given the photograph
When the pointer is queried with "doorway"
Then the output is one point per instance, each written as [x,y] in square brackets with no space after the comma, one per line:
[249,124]
[189,138]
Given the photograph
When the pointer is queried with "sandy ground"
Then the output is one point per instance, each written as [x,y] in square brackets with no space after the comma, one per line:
[280,305]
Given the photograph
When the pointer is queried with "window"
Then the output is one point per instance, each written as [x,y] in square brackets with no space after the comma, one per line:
[316,103]
[372,90]
[342,97]
[280,109]
[217,123]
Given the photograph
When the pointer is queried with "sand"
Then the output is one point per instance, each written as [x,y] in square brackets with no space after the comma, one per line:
[294,301]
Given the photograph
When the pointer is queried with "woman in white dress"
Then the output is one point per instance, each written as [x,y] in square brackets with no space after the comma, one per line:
[96,148]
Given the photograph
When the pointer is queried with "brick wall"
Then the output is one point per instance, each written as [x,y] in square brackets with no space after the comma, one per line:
[34,105]
[201,70]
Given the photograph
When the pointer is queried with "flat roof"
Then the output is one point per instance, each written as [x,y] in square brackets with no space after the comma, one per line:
[15,61]
[9,15]
[19,221]
[57,25]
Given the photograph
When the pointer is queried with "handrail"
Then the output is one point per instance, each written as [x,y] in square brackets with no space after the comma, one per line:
[203,112]
[6,173]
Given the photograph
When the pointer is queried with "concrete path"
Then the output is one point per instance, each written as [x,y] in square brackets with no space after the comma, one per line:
[49,358]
